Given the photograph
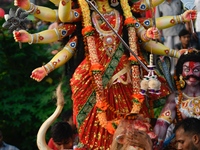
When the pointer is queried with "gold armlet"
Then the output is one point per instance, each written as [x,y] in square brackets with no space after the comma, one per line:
[167,120]
[166,116]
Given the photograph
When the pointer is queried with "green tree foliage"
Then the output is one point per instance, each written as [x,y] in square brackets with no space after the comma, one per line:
[24,103]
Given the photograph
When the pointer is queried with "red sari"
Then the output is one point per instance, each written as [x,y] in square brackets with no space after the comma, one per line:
[119,95]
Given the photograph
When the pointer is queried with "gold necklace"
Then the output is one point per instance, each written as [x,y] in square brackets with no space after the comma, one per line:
[190,97]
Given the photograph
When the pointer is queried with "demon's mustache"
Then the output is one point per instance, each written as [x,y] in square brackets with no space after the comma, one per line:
[191,76]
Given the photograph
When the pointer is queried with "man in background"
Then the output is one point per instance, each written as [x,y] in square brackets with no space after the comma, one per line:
[66,116]
[62,136]
[188,134]
[5,146]
[185,41]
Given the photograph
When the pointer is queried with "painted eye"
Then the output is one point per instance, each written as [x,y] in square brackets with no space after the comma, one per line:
[76,14]
[143,7]
[137,25]
[73,44]
[147,22]
[186,69]
[64,32]
[139,41]
[196,70]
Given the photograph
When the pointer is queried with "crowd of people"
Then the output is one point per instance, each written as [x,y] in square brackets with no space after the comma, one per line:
[187,136]
[179,118]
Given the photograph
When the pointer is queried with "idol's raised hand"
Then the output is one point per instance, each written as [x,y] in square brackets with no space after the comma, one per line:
[189,15]
[24,4]
[38,74]
[22,36]
[153,33]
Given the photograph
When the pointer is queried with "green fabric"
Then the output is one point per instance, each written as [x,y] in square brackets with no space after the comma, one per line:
[106,78]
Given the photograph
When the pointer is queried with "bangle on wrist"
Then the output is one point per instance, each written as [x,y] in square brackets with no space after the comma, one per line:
[49,67]
[144,37]
[32,8]
[31,42]
[45,70]
[34,38]
[179,19]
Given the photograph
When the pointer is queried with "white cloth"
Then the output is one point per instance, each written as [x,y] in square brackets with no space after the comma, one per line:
[197,22]
[170,41]
[170,131]
[197,4]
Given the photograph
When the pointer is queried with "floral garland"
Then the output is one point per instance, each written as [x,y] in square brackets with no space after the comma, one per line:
[180,97]
[129,22]
[88,31]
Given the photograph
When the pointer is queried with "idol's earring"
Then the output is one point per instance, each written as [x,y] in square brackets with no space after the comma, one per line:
[181,81]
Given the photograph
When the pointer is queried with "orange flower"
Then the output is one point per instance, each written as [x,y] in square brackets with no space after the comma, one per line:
[139,97]
[87,30]
[129,20]
[110,126]
[96,67]
[132,58]
[102,105]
